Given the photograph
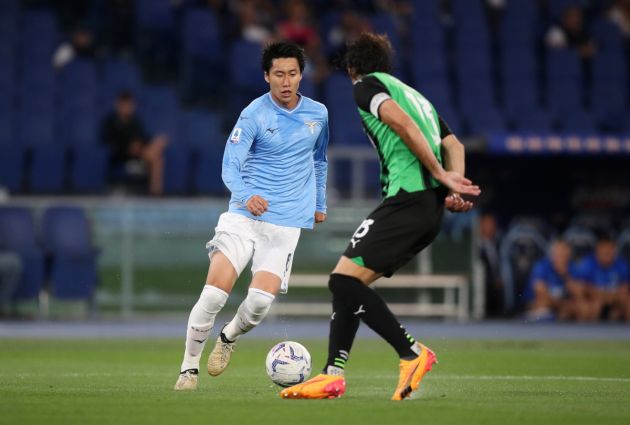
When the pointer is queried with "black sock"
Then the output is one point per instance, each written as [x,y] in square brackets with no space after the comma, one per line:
[343,329]
[361,301]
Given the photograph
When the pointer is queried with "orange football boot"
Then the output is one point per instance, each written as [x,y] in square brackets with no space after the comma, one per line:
[321,386]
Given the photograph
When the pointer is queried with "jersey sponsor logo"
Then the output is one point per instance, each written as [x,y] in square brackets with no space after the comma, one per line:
[363,229]
[236,135]
[311,125]
[243,117]
[273,130]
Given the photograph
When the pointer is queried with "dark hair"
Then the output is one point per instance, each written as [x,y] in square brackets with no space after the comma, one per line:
[370,53]
[125,96]
[282,49]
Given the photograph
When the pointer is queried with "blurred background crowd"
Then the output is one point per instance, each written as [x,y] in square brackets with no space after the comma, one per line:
[118,99]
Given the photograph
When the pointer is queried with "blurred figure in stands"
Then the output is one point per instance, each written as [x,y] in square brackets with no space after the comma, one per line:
[571,33]
[607,281]
[489,253]
[80,45]
[298,27]
[123,132]
[254,22]
[553,291]
[10,272]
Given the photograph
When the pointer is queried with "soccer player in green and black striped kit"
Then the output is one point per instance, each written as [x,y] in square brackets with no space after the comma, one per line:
[422,172]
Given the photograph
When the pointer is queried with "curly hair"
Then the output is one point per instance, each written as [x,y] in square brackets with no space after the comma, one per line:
[370,53]
[282,49]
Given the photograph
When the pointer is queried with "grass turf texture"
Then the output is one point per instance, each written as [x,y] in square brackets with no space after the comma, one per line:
[493,382]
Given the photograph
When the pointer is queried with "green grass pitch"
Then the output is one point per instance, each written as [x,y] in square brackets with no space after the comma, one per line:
[481,382]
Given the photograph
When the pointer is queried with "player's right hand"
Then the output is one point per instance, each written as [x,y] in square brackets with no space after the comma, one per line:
[257,205]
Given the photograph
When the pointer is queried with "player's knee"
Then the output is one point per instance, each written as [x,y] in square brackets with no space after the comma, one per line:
[257,305]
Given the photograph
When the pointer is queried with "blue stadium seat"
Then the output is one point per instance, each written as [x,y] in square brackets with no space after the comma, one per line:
[607,35]
[207,174]
[47,170]
[345,123]
[520,94]
[608,104]
[422,68]
[36,126]
[246,75]
[88,173]
[563,64]
[521,63]
[17,233]
[177,169]
[201,128]
[160,110]
[7,135]
[155,15]
[67,239]
[452,118]
[78,126]
[483,121]
[564,98]
[578,121]
[78,75]
[201,74]
[468,14]
[12,161]
[436,90]
[533,120]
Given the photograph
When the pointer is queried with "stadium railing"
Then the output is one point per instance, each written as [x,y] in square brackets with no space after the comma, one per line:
[453,304]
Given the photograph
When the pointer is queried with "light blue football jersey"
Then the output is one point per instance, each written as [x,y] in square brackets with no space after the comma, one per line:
[279,154]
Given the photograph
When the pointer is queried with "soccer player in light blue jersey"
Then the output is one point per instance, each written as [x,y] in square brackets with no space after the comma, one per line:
[275,166]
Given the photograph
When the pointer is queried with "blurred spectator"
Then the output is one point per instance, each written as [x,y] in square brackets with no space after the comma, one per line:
[571,33]
[254,24]
[607,282]
[553,291]
[10,272]
[80,45]
[489,253]
[349,27]
[620,14]
[123,131]
[299,28]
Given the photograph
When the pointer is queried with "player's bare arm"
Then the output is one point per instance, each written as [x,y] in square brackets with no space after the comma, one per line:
[393,115]
[453,157]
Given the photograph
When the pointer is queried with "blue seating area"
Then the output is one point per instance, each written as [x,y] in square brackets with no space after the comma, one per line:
[481,78]
[56,251]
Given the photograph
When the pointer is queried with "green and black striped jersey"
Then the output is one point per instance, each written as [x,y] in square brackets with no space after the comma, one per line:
[400,168]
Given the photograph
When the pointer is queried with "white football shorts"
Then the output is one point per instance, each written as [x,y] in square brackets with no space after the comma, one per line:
[269,246]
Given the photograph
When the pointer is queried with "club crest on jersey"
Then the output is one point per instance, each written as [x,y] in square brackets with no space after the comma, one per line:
[311,125]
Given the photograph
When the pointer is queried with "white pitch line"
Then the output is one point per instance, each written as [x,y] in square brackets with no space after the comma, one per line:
[531,378]
[452,377]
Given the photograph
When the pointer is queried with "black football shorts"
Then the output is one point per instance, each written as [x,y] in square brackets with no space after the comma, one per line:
[398,229]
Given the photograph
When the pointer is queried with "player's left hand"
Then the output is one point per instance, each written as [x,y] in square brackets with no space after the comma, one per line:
[320,217]
[455,203]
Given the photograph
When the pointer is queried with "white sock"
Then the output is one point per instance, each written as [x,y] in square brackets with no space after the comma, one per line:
[200,322]
[250,313]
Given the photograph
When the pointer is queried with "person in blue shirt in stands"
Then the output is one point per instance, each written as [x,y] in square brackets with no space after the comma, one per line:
[275,165]
[607,281]
[553,293]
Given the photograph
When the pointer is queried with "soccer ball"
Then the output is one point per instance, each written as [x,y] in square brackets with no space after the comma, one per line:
[288,363]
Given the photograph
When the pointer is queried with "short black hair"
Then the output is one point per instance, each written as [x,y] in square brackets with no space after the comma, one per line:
[282,49]
[370,53]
